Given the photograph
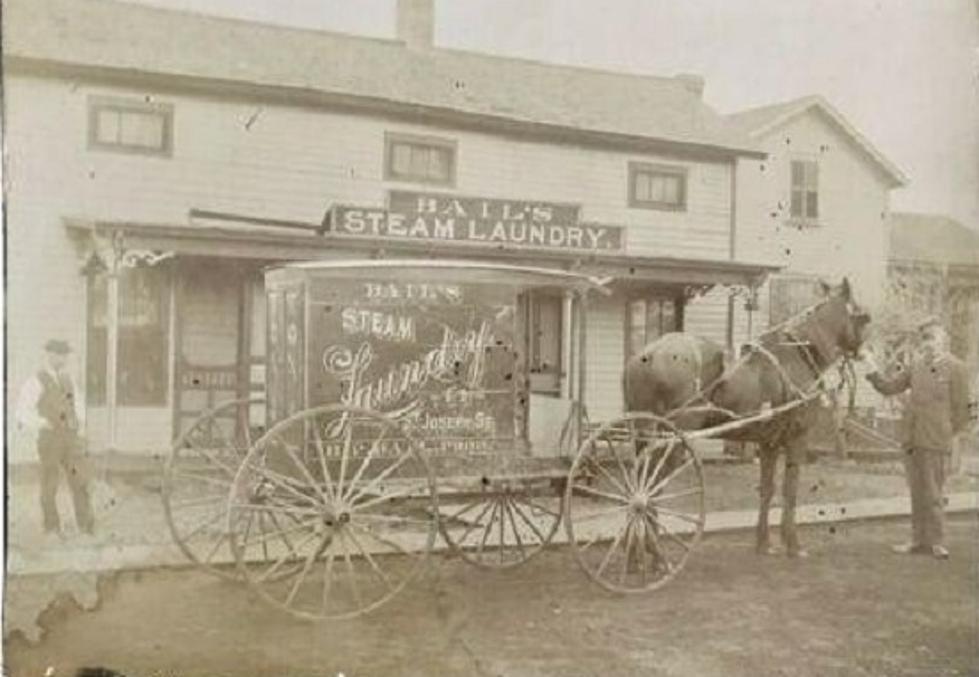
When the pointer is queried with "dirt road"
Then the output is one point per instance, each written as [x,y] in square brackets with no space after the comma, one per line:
[853,608]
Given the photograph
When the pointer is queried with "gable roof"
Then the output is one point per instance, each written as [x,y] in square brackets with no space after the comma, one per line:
[932,238]
[118,37]
[759,122]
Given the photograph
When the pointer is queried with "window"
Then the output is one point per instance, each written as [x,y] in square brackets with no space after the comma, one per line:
[545,321]
[422,159]
[657,187]
[130,126]
[648,318]
[805,190]
[790,295]
[143,348]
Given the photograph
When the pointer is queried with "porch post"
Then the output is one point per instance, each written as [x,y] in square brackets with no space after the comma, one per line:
[112,352]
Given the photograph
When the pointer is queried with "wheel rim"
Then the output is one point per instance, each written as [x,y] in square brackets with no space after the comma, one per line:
[354,508]
[501,527]
[197,477]
[635,504]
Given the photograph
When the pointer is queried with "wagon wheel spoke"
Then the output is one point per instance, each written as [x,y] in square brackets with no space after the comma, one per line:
[370,560]
[600,494]
[516,531]
[307,565]
[371,532]
[321,453]
[530,523]
[672,474]
[308,476]
[652,477]
[351,574]
[376,481]
[476,523]
[327,583]
[374,448]
[345,455]
[618,461]
[597,464]
[646,550]
[611,551]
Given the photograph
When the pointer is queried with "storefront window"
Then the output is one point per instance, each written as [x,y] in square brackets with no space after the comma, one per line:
[143,364]
[648,318]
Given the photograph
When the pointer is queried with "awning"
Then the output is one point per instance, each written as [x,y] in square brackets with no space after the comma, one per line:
[230,236]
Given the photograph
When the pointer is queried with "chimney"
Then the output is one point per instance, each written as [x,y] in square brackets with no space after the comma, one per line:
[416,23]
[691,82]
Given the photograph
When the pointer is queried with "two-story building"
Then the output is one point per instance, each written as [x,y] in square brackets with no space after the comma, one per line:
[157,161]
[817,205]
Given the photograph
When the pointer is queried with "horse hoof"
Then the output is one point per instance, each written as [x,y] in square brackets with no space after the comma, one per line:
[766,550]
[797,553]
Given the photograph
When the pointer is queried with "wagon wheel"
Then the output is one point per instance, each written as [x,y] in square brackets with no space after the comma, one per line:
[354,510]
[502,526]
[196,480]
[634,503]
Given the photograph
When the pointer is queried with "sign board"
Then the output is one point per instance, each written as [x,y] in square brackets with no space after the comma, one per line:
[480,221]
[437,357]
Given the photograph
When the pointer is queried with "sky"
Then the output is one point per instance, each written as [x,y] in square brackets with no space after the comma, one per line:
[904,72]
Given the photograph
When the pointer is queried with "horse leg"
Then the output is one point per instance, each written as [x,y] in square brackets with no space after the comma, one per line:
[795,450]
[767,458]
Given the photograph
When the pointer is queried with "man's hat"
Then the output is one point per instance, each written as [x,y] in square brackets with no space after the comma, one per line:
[57,347]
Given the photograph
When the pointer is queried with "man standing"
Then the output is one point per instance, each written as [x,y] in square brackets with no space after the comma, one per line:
[48,406]
[937,410]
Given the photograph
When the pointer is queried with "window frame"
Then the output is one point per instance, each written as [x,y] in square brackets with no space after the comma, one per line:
[98,104]
[804,188]
[97,342]
[678,171]
[660,296]
[449,146]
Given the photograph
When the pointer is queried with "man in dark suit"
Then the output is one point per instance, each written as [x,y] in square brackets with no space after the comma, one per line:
[48,406]
[937,410]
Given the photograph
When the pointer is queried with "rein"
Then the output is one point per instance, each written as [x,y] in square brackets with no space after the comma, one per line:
[808,351]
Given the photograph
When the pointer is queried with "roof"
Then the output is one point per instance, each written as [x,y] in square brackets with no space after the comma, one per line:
[932,238]
[118,37]
[759,122]
[433,270]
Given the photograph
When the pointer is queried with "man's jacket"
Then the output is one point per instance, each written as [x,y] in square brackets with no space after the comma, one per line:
[938,406]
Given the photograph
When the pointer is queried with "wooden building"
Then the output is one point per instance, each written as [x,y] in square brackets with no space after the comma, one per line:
[158,161]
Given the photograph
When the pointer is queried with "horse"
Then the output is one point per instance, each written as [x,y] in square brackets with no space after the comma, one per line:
[683,378]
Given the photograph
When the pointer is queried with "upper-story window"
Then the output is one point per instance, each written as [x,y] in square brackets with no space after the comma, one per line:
[130,126]
[657,186]
[805,190]
[419,158]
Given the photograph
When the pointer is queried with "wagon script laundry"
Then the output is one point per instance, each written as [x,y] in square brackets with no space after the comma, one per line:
[459,359]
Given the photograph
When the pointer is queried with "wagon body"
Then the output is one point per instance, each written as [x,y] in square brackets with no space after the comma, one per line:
[399,407]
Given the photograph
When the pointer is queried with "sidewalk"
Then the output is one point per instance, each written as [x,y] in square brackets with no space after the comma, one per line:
[119,547]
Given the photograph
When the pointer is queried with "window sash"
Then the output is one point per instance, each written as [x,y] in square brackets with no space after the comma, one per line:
[647,319]
[134,126]
[429,162]
[658,188]
[804,203]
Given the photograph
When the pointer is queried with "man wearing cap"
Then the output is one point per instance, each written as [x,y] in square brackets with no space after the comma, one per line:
[937,410]
[48,406]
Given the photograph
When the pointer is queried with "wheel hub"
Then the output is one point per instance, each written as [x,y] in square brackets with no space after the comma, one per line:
[639,502]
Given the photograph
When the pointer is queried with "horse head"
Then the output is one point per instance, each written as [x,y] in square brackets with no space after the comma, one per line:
[841,318]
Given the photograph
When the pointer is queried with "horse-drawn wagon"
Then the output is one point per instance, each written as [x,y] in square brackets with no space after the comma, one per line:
[399,409]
